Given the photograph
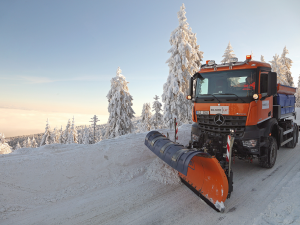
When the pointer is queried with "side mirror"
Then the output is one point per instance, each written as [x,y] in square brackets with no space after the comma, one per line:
[272,83]
[190,96]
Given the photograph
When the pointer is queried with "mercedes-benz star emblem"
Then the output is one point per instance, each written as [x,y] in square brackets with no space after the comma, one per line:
[219,119]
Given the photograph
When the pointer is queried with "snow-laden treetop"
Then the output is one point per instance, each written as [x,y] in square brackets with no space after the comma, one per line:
[119,82]
[228,54]
[181,17]
[285,60]
[184,43]
[119,71]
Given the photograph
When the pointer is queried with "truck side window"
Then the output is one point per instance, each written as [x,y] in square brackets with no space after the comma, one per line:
[202,86]
[264,82]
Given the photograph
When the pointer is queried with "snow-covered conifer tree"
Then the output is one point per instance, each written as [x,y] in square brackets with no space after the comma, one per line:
[66,133]
[18,146]
[146,117]
[228,54]
[54,136]
[80,135]
[86,137]
[24,144]
[287,64]
[184,61]
[98,134]
[28,143]
[279,69]
[119,107]
[72,138]
[157,118]
[61,136]
[4,147]
[33,143]
[46,139]
[262,58]
[94,124]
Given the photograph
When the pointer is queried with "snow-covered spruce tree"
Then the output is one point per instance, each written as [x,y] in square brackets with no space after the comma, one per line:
[80,135]
[287,64]
[185,61]
[18,146]
[298,93]
[54,136]
[61,136]
[91,135]
[86,136]
[46,139]
[228,54]
[262,58]
[157,118]
[24,144]
[94,121]
[98,134]
[4,147]
[72,138]
[279,69]
[28,143]
[33,143]
[119,107]
[146,117]
[66,133]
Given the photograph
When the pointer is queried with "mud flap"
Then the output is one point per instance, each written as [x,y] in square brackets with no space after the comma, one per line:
[198,170]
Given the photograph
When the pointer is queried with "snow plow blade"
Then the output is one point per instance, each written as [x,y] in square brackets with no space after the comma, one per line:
[198,170]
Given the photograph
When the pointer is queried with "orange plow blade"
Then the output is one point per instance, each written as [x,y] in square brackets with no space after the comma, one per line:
[206,178]
[201,172]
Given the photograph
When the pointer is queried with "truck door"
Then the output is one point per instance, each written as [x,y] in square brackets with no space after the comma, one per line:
[264,105]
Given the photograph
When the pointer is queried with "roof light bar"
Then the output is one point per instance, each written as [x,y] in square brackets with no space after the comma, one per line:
[248,57]
[234,59]
[211,62]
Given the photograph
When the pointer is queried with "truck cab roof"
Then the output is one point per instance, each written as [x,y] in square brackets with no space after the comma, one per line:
[205,68]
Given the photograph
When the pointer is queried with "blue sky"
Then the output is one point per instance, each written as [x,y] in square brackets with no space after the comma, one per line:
[57,57]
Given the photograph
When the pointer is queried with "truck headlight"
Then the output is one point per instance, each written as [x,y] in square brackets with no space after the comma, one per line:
[250,143]
[195,137]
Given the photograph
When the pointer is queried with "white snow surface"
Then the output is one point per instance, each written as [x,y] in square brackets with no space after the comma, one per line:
[120,181]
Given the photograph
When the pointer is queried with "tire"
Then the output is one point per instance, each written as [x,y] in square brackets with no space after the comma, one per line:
[293,143]
[269,159]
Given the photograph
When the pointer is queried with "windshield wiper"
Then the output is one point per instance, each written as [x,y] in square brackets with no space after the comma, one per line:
[232,94]
[212,95]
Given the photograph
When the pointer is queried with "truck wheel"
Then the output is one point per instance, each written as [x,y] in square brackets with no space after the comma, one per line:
[269,159]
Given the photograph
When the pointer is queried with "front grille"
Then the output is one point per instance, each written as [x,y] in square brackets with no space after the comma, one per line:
[206,123]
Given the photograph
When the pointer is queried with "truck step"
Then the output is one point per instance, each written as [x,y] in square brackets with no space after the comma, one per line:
[286,141]
[287,131]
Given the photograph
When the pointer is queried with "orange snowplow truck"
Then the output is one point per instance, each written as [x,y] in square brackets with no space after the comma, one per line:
[239,111]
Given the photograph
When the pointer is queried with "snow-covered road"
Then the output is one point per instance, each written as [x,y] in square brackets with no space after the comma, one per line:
[120,181]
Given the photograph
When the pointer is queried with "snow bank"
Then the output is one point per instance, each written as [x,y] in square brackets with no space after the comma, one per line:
[162,172]
[32,178]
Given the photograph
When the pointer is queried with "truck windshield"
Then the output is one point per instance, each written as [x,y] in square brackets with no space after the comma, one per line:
[240,83]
